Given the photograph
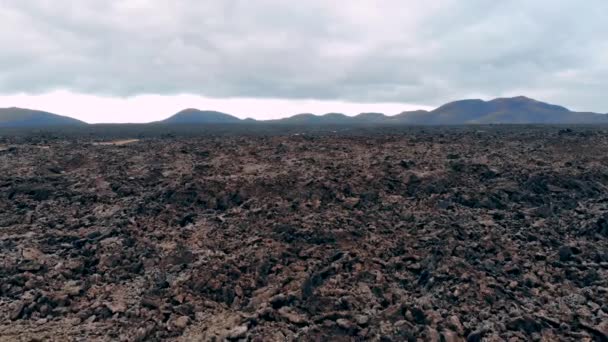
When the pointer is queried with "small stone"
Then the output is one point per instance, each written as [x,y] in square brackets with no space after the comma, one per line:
[29,266]
[95,278]
[414,267]
[344,323]
[238,332]
[61,299]
[292,317]
[17,311]
[404,328]
[149,302]
[72,288]
[32,254]
[351,202]
[74,321]
[362,320]
[117,307]
[393,313]
[182,322]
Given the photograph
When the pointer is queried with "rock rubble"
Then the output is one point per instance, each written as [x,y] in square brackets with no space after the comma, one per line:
[431,234]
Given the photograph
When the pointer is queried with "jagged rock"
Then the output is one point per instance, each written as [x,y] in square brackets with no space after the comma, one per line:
[32,254]
[291,316]
[362,320]
[344,324]
[17,311]
[182,322]
[117,307]
[454,323]
[72,288]
[238,332]
[29,266]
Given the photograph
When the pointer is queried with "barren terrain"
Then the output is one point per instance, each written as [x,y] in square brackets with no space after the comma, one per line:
[476,234]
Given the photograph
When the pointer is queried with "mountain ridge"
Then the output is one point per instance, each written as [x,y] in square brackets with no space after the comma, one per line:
[502,110]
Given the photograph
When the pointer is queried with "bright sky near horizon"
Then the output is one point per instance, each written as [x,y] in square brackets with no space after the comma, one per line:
[143,60]
[147,108]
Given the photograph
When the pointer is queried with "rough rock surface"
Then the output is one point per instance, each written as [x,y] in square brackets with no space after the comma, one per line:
[439,235]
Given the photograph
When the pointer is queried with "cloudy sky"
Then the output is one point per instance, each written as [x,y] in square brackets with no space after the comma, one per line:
[142,60]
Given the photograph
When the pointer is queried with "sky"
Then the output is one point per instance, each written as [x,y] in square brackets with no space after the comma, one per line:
[143,60]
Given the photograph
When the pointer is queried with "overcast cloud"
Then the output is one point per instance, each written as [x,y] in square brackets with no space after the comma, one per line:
[376,51]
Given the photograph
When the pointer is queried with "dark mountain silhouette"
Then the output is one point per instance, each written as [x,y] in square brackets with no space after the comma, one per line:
[333,119]
[19,117]
[515,110]
[412,116]
[312,119]
[370,118]
[195,116]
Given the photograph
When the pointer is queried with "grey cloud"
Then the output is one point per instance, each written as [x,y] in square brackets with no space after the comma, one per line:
[373,51]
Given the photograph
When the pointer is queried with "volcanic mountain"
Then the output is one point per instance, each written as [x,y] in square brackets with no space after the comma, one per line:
[19,117]
[514,110]
[195,116]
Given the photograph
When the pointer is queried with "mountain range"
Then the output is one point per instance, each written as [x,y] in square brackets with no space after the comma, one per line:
[514,110]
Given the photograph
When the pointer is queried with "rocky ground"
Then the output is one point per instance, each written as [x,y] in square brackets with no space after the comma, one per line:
[479,234]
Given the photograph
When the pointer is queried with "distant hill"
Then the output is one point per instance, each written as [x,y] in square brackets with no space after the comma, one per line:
[371,118]
[333,119]
[411,116]
[19,117]
[312,119]
[514,110]
[195,116]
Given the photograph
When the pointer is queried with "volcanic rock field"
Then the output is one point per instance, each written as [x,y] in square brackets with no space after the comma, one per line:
[482,233]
